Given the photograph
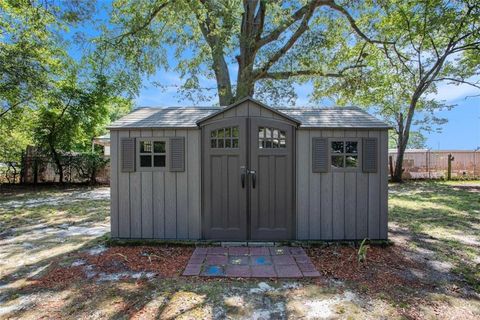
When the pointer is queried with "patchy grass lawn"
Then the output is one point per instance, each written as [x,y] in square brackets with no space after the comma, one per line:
[443,223]
[54,263]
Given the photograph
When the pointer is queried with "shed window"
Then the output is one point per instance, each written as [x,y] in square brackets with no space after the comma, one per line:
[152,154]
[224,138]
[344,154]
[271,138]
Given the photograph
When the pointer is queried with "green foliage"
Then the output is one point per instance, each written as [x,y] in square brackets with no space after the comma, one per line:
[46,96]
[362,251]
[88,164]
[417,140]
[73,115]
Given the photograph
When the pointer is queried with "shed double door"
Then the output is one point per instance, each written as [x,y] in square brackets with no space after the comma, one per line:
[248,179]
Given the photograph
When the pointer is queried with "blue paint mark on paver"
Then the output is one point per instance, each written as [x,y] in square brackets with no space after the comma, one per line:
[214,271]
[260,260]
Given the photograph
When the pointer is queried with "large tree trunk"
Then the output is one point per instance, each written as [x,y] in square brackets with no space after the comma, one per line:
[403,136]
[222,76]
[398,171]
[251,28]
[58,162]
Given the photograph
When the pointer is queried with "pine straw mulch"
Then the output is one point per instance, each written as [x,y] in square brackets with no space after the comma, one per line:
[386,268]
[164,262]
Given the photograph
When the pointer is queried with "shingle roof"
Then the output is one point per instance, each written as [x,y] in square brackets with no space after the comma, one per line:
[171,117]
[337,117]
[186,117]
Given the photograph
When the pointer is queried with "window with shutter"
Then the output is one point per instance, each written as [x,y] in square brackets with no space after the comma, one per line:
[177,154]
[344,154]
[370,155]
[127,147]
[319,155]
[151,154]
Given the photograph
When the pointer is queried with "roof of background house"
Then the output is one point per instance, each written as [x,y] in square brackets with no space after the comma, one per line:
[187,117]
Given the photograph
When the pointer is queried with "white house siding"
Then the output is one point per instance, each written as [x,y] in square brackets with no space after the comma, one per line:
[341,205]
[159,204]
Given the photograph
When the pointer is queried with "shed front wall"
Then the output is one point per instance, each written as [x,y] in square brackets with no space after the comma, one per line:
[340,205]
[158,204]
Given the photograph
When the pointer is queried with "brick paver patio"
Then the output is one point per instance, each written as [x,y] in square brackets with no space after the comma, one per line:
[250,262]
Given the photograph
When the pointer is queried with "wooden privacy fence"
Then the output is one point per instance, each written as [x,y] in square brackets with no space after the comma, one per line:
[430,164]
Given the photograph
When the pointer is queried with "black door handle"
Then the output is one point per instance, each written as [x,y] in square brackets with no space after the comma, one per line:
[254,178]
[243,171]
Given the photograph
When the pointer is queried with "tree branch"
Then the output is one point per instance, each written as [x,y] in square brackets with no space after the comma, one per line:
[278,75]
[299,14]
[353,23]
[13,106]
[457,81]
[273,59]
[147,22]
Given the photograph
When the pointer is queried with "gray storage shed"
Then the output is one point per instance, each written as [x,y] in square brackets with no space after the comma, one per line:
[249,172]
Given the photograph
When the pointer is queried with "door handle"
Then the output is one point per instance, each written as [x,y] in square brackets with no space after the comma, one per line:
[254,178]
[243,171]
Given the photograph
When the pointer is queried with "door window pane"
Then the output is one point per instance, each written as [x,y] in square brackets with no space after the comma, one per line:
[261,132]
[275,143]
[268,133]
[271,138]
[235,132]
[222,138]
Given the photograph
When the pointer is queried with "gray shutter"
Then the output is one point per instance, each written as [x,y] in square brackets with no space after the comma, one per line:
[177,154]
[319,155]
[370,155]
[127,149]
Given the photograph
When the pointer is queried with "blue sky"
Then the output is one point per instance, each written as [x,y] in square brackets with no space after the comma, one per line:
[461,132]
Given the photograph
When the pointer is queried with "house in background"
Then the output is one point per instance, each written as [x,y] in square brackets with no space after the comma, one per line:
[249,172]
[104,141]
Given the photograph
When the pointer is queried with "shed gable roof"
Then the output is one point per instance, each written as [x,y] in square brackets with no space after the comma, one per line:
[190,117]
[248,99]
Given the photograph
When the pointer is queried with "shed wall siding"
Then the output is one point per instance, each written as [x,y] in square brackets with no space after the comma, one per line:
[341,205]
[158,204]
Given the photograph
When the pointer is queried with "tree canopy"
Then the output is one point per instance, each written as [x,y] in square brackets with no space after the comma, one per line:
[245,46]
[432,41]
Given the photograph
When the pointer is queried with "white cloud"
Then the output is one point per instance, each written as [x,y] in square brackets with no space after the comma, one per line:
[452,93]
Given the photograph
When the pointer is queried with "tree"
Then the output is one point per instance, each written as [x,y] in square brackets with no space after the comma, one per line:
[433,41]
[280,42]
[31,52]
[73,115]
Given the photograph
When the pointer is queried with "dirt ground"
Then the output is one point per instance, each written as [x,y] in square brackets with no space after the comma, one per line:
[56,262]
